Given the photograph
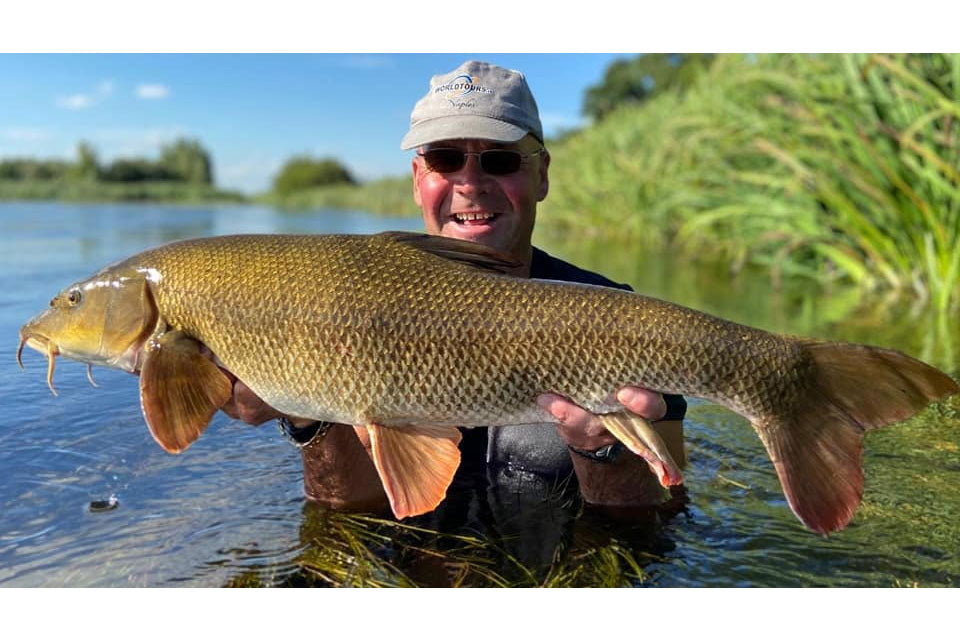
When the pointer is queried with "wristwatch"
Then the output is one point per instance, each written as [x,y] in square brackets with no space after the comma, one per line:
[603,455]
[304,435]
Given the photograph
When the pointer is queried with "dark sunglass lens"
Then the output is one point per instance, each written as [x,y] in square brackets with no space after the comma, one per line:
[500,162]
[444,160]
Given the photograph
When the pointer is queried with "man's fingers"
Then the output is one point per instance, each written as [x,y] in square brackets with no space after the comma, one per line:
[577,427]
[646,403]
[582,429]
[565,411]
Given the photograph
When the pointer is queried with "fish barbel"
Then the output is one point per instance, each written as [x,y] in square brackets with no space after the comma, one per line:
[412,335]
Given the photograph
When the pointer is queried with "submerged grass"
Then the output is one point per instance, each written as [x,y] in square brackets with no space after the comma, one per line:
[827,166]
[350,550]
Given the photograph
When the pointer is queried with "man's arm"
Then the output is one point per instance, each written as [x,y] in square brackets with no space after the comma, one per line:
[627,480]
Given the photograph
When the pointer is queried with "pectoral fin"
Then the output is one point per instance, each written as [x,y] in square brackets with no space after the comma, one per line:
[641,438]
[180,390]
[416,465]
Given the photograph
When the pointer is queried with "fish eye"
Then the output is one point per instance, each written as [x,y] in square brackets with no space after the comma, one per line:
[74,297]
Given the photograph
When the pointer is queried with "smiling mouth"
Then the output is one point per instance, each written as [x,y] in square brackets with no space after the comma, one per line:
[474,218]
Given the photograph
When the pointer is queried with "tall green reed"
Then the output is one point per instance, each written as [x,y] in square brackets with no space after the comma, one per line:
[828,166]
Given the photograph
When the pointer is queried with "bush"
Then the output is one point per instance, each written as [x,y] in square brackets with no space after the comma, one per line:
[25,169]
[188,161]
[304,172]
[135,170]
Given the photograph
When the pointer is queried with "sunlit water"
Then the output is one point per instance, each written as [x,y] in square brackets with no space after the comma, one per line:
[230,510]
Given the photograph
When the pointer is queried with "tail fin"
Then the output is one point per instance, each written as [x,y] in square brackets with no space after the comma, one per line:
[817,447]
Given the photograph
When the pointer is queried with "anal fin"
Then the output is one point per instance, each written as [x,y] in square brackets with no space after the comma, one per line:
[180,390]
[416,465]
[642,439]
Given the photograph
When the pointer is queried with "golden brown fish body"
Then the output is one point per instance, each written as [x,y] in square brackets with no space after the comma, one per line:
[357,329]
[385,330]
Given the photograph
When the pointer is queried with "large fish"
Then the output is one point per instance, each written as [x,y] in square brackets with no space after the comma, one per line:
[411,335]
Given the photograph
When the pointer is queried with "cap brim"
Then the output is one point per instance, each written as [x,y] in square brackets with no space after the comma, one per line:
[461,126]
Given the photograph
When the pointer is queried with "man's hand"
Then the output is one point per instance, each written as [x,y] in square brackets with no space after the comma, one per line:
[584,430]
[627,483]
[246,406]
[243,404]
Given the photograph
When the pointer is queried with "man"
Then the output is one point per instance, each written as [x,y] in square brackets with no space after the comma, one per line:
[479,172]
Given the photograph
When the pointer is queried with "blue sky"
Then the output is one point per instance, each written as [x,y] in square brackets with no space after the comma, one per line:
[252,111]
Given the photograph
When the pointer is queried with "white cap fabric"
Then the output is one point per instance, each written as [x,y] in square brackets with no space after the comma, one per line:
[475,100]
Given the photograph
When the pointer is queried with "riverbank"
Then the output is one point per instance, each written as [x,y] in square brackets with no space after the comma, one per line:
[833,167]
[101,192]
[391,196]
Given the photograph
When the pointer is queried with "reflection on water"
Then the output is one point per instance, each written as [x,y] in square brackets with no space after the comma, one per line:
[230,510]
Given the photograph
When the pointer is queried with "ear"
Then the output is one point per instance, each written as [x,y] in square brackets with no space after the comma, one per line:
[544,185]
[417,170]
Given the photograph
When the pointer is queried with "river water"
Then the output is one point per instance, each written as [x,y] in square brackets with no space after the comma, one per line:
[231,511]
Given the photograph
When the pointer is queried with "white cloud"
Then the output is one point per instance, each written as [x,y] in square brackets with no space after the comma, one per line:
[86,100]
[76,101]
[152,91]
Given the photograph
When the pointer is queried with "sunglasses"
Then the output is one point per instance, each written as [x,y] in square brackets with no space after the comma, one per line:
[496,162]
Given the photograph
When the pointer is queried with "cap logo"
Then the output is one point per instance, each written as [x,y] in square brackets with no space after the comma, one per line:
[457,89]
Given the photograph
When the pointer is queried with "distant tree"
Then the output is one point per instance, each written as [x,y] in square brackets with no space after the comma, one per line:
[9,170]
[302,172]
[637,79]
[187,160]
[87,166]
[133,170]
[25,169]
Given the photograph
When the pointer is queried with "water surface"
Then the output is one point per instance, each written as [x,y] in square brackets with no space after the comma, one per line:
[230,510]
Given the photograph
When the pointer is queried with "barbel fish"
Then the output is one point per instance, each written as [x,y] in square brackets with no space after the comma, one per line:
[412,335]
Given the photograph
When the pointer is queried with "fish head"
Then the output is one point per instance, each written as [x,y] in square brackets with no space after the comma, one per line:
[104,320]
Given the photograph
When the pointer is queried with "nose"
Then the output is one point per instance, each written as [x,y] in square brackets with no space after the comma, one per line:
[471,178]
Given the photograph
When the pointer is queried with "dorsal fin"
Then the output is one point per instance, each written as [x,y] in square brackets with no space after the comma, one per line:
[466,252]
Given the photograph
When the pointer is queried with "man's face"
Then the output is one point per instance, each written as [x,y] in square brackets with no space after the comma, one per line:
[496,210]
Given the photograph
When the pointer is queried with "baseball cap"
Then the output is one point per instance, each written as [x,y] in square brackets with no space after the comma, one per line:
[475,100]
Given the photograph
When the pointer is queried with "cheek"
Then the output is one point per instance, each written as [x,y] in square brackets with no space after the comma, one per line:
[520,191]
[433,189]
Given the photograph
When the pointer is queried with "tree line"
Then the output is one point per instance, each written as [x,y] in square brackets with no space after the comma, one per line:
[182,161]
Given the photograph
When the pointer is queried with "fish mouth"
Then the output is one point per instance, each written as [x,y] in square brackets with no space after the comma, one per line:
[44,346]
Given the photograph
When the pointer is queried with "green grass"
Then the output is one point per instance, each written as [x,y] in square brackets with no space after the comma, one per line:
[830,166]
[387,196]
[93,191]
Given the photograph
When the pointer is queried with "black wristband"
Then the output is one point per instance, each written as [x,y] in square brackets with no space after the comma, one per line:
[603,455]
[305,435]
